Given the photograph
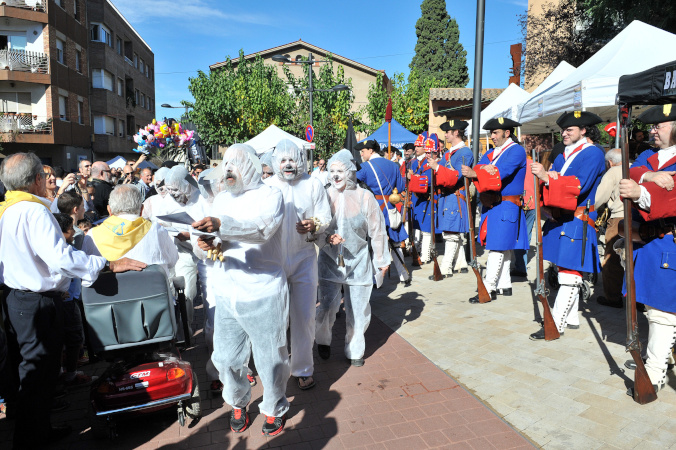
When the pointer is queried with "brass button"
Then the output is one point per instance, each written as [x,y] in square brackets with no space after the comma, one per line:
[563,233]
[665,265]
[572,240]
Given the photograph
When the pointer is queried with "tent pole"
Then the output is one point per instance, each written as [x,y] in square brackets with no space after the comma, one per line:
[478,72]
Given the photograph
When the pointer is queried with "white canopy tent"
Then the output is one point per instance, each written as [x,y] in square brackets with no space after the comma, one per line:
[513,95]
[267,140]
[593,85]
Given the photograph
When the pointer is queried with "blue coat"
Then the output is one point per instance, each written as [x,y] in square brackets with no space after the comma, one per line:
[390,177]
[422,212]
[452,208]
[506,222]
[655,261]
[562,240]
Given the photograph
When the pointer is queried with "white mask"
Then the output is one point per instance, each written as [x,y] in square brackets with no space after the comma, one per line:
[288,169]
[338,177]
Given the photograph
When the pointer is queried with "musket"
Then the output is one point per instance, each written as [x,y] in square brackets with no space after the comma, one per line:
[643,392]
[484,296]
[415,257]
[585,218]
[436,274]
[551,332]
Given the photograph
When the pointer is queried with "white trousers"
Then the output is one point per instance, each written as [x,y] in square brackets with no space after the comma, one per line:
[426,248]
[258,325]
[497,270]
[302,280]
[454,253]
[661,339]
[205,270]
[357,315]
[401,270]
[567,301]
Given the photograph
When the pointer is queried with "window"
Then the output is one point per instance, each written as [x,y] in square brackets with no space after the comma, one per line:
[76,10]
[135,60]
[147,71]
[15,102]
[17,42]
[149,100]
[136,92]
[63,107]
[101,34]
[120,87]
[59,51]
[142,67]
[120,128]
[61,3]
[80,113]
[118,46]
[143,100]
[103,79]
[78,61]
[104,125]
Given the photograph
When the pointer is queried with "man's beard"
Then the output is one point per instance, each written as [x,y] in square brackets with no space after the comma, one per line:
[233,183]
[289,172]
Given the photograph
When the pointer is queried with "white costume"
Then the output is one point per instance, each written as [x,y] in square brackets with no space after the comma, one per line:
[304,198]
[250,291]
[356,216]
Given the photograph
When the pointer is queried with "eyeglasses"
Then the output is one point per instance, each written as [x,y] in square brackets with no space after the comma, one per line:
[269,173]
[657,127]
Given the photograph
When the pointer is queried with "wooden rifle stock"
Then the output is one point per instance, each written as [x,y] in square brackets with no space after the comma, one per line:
[644,392]
[436,274]
[484,296]
[415,257]
[551,332]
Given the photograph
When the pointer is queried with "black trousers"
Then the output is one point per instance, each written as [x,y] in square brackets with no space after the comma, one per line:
[34,327]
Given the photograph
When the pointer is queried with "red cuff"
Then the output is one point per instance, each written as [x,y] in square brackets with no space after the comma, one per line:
[561,192]
[447,177]
[662,203]
[486,182]
[418,184]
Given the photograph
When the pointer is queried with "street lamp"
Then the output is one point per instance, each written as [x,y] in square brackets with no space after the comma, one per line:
[167,105]
[285,60]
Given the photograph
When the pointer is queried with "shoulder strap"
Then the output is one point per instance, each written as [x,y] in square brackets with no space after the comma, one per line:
[378,181]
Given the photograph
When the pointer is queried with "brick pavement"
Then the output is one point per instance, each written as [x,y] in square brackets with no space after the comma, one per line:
[568,393]
[398,400]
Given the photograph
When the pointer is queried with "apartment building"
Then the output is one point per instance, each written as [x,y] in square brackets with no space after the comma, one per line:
[44,82]
[121,66]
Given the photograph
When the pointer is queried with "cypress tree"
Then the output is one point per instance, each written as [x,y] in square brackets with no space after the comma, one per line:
[438,53]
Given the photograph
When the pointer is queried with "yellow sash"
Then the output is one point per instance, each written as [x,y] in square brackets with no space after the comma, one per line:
[14,197]
[116,236]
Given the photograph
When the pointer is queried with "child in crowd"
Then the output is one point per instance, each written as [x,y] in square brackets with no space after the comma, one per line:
[85,225]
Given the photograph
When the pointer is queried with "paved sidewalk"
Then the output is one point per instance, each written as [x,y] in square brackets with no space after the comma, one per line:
[568,393]
[398,400]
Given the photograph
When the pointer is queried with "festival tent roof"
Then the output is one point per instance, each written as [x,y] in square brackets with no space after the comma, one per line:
[399,136]
[502,105]
[117,163]
[269,138]
[593,85]
[654,86]
[147,164]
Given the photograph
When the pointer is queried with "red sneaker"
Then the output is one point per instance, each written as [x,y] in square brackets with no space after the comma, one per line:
[252,379]
[273,425]
[239,420]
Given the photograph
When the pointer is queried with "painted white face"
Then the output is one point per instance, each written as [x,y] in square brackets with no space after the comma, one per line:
[288,168]
[233,182]
[177,195]
[338,176]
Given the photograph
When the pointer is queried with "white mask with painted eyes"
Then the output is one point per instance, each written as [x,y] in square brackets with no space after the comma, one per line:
[338,176]
[288,169]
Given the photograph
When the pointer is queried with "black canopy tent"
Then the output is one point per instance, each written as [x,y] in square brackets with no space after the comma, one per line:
[649,87]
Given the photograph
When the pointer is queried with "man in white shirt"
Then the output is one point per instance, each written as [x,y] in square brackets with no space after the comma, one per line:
[321,173]
[36,265]
[126,234]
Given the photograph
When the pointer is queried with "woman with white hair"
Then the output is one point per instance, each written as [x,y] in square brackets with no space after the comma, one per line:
[346,263]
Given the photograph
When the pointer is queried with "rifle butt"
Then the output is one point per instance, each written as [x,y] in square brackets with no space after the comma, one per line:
[484,296]
[644,392]
[415,257]
[436,274]
[551,332]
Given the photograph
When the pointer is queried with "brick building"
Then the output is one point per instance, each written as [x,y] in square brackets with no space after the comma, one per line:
[122,74]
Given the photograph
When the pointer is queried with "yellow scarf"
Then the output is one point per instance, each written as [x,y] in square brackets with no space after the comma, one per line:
[14,197]
[116,236]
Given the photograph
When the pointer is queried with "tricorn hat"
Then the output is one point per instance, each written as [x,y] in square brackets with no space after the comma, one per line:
[501,123]
[409,146]
[454,125]
[577,119]
[659,114]
[371,143]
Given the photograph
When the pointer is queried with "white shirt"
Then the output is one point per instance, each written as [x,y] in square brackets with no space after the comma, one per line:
[34,256]
[156,247]
[321,175]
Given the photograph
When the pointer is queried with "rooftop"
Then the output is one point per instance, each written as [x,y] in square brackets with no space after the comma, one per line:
[463,94]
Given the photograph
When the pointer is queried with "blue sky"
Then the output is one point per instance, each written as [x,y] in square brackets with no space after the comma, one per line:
[189,35]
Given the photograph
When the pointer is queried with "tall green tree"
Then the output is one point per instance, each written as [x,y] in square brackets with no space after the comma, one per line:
[238,101]
[331,110]
[438,52]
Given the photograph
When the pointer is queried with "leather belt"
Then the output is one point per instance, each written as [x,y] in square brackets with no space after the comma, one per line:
[384,198]
[579,213]
[656,229]
[490,200]
[516,199]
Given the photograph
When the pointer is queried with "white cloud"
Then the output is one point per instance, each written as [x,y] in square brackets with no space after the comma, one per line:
[140,12]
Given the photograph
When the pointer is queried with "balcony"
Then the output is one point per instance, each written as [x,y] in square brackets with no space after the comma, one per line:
[32,10]
[33,5]
[14,126]
[24,61]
